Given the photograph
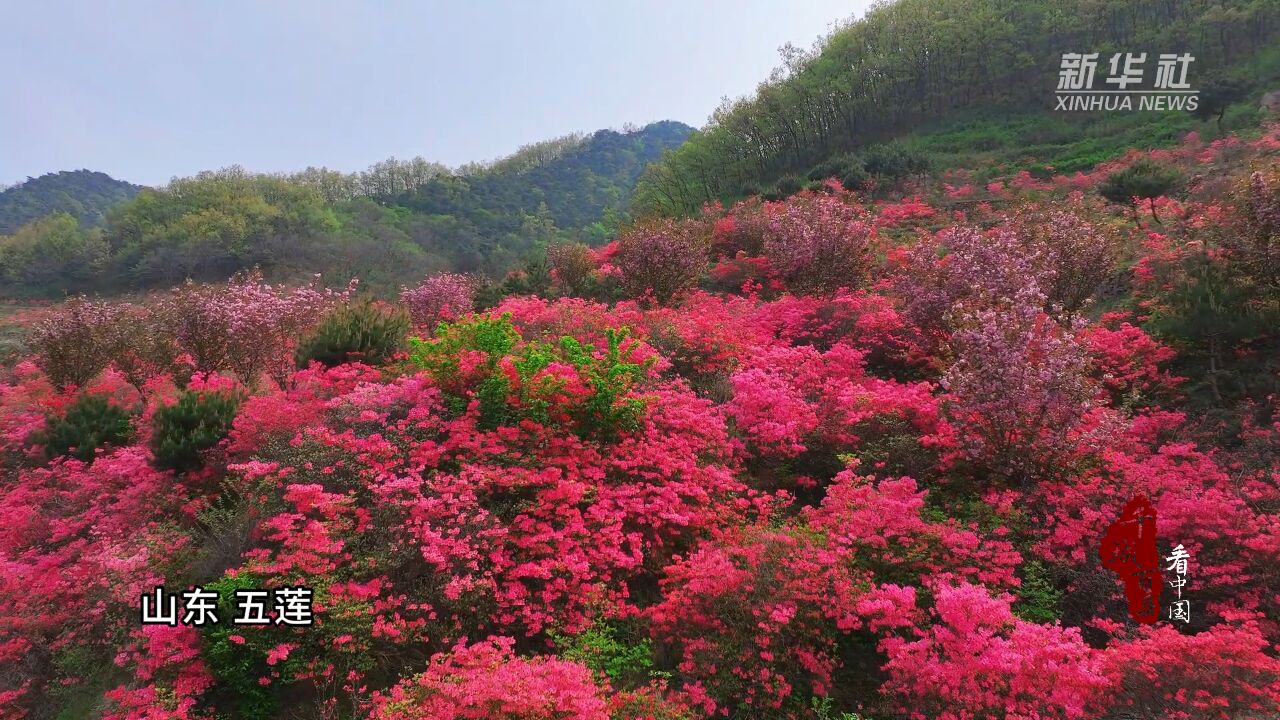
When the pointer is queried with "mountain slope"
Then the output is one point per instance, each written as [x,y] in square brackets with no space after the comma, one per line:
[577,182]
[911,62]
[83,194]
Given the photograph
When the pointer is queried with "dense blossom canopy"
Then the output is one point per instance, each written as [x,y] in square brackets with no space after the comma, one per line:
[790,459]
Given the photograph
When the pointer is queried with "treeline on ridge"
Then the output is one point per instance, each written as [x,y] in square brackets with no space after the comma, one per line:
[908,63]
[389,225]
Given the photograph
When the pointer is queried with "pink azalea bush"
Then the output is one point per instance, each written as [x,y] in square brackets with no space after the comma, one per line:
[440,297]
[487,680]
[820,243]
[662,258]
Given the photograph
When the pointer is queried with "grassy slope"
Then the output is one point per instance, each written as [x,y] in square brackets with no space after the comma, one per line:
[993,144]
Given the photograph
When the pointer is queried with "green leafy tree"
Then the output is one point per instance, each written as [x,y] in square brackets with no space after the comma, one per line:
[50,256]
[1216,95]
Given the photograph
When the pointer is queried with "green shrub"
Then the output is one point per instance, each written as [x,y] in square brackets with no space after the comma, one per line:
[895,161]
[618,653]
[237,666]
[606,408]
[367,332]
[847,168]
[822,710]
[1037,597]
[183,431]
[1145,179]
[785,187]
[91,422]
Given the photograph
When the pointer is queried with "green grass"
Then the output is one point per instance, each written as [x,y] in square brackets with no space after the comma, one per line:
[993,143]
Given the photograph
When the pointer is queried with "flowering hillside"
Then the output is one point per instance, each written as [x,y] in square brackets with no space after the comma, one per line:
[820,457]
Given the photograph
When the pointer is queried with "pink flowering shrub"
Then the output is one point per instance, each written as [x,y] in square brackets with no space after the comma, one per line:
[441,297]
[820,243]
[1198,505]
[911,212]
[756,619]
[78,340]
[246,326]
[741,230]
[1127,361]
[978,660]
[81,543]
[963,267]
[1222,672]
[882,526]
[1020,392]
[1077,254]
[790,400]
[745,274]
[662,258]
[1255,242]
[486,681]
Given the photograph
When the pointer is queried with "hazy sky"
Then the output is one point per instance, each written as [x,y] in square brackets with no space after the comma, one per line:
[145,91]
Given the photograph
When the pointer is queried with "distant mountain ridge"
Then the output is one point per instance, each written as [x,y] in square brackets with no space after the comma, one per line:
[578,179]
[86,195]
[389,225]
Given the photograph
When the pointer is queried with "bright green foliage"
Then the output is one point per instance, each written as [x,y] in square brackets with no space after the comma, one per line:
[822,711]
[485,357]
[367,332]
[618,654]
[91,422]
[493,336]
[1037,596]
[237,666]
[181,432]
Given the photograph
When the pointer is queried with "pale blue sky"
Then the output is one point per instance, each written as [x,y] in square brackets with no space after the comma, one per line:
[145,91]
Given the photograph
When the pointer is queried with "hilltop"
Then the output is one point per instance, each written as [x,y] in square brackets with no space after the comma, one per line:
[576,178]
[83,194]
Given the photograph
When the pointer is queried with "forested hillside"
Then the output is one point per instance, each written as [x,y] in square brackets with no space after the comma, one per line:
[389,225]
[575,180]
[981,72]
[83,194]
